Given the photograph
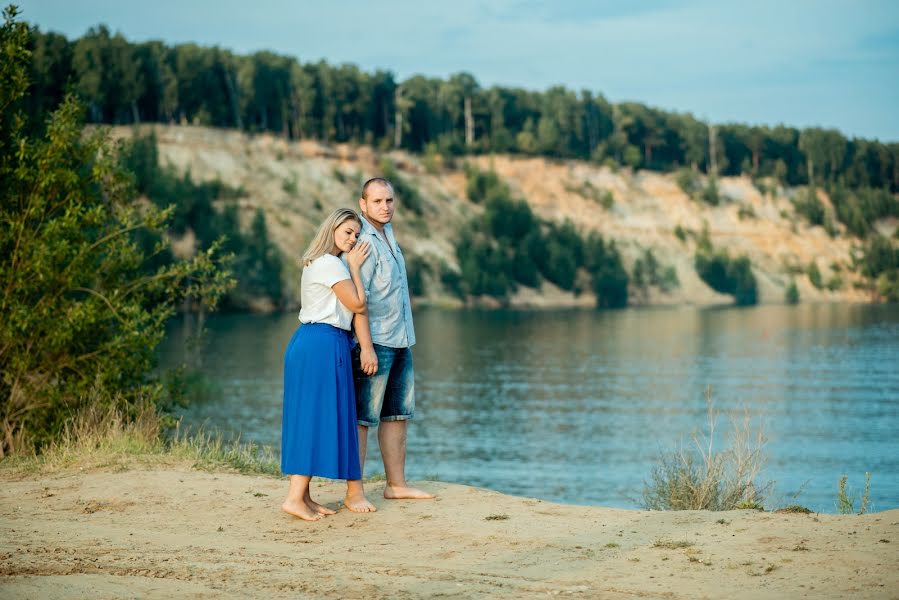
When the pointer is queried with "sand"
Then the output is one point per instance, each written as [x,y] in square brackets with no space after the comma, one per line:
[175,532]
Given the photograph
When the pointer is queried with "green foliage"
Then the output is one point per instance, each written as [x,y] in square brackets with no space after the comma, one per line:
[791,295]
[847,498]
[451,280]
[417,269]
[209,211]
[880,263]
[406,193]
[84,306]
[484,186]
[814,275]
[649,272]
[124,82]
[510,246]
[710,194]
[610,280]
[680,233]
[727,275]
[810,207]
[688,181]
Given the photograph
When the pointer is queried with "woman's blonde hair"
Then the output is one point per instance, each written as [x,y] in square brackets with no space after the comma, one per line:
[323,241]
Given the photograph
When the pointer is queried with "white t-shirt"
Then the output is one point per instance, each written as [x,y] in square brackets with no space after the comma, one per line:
[319,302]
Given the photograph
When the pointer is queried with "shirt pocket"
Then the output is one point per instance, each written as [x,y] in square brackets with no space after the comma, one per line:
[383,273]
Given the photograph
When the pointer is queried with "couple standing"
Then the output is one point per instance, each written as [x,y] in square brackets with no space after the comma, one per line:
[334,391]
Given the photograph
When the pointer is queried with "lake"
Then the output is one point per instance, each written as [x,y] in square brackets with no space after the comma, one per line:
[575,406]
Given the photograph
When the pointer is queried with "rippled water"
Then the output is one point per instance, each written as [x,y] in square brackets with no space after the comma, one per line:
[574,406]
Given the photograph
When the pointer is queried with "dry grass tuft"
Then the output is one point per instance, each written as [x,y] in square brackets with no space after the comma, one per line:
[98,438]
[701,477]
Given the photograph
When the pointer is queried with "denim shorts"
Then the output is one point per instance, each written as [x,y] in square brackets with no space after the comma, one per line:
[389,394]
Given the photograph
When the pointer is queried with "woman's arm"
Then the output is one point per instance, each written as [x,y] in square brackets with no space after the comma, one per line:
[351,293]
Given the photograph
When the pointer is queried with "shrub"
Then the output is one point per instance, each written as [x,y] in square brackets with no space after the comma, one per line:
[814,275]
[701,477]
[84,307]
[416,270]
[680,233]
[688,181]
[710,193]
[791,296]
[810,207]
[728,276]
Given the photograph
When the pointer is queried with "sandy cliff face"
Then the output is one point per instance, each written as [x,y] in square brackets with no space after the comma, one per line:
[298,183]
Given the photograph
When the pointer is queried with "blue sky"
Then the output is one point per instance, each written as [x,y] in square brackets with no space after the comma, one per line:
[800,62]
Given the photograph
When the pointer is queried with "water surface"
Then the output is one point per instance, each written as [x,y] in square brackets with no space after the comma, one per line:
[575,406]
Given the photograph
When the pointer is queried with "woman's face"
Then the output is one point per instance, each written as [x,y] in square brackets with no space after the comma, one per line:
[345,235]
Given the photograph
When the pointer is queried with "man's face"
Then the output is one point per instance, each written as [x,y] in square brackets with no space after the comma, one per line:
[378,207]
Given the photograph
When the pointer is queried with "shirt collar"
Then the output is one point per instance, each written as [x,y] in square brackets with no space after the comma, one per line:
[370,229]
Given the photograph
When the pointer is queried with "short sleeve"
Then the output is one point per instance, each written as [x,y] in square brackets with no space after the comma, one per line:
[367,271]
[331,270]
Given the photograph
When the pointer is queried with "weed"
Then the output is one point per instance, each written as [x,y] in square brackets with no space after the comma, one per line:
[497,517]
[796,508]
[672,544]
[701,477]
[847,498]
[612,545]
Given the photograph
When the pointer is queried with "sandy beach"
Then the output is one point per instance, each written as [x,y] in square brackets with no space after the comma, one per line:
[177,532]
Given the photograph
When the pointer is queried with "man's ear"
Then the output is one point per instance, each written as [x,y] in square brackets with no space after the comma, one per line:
[362,204]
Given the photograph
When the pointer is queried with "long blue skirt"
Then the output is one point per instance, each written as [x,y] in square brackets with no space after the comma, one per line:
[318,426]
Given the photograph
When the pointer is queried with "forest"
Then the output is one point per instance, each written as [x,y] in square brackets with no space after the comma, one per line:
[124,82]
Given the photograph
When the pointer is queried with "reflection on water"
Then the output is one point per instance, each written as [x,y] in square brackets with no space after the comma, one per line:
[574,406]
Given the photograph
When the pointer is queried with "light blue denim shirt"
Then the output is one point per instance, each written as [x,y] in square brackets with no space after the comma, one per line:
[386,289]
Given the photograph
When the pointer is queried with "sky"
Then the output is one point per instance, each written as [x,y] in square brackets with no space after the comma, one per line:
[825,63]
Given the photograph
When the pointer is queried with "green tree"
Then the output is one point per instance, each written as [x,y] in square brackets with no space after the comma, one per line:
[82,310]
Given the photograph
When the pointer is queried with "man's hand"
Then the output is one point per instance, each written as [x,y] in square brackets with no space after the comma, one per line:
[368,360]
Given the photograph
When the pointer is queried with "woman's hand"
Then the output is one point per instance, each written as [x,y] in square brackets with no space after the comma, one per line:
[357,255]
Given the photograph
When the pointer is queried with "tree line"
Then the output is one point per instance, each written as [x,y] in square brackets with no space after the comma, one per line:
[124,82]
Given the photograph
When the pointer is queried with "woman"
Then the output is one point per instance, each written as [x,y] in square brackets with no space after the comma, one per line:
[319,436]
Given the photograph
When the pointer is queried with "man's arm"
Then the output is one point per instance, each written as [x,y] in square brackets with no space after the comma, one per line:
[367,357]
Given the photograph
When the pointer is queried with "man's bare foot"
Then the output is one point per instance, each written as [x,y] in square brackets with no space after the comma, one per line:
[398,492]
[319,508]
[358,503]
[299,509]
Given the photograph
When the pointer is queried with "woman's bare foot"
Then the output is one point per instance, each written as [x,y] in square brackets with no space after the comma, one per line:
[402,492]
[301,510]
[319,508]
[358,503]
[315,506]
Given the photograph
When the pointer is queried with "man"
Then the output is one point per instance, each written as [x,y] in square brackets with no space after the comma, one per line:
[382,360]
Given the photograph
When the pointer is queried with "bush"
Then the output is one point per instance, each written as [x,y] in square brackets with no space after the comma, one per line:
[791,295]
[484,186]
[728,276]
[610,280]
[700,477]
[814,275]
[810,207]
[710,193]
[416,270]
[83,306]
[258,262]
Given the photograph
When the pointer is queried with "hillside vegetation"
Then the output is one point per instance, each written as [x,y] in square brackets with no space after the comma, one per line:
[675,245]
